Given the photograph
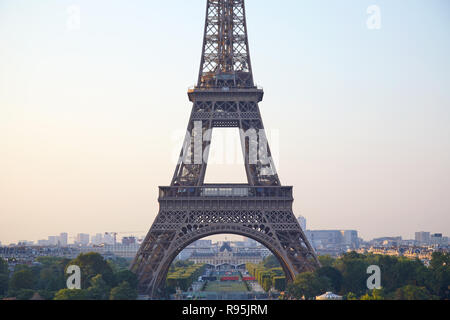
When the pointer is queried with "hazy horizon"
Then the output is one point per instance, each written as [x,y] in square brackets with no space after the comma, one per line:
[92,114]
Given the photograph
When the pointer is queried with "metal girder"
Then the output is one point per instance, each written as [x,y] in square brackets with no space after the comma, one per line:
[190,210]
[241,114]
[225,56]
[176,228]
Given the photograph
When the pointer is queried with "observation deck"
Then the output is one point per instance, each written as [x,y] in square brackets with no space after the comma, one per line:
[226,191]
[227,93]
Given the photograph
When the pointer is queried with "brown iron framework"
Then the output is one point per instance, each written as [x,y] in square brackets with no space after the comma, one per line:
[225,96]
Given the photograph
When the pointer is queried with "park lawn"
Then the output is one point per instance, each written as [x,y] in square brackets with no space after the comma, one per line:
[226,286]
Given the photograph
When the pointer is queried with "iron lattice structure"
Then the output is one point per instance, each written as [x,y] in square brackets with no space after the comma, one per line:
[225,96]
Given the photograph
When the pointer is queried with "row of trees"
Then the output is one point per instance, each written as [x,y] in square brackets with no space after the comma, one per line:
[182,274]
[269,274]
[4,278]
[100,279]
[401,278]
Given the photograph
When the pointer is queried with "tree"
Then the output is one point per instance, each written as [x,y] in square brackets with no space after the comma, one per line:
[334,275]
[354,273]
[440,259]
[128,276]
[271,262]
[183,264]
[98,290]
[440,278]
[308,285]
[22,279]
[24,294]
[119,263]
[92,264]
[351,296]
[410,292]
[279,283]
[123,292]
[50,261]
[4,279]
[326,260]
[180,264]
[3,267]
[69,294]
[51,279]
[374,295]
[47,295]
[267,284]
[398,272]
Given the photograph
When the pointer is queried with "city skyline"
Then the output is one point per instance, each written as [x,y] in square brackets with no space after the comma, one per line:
[362,115]
[108,237]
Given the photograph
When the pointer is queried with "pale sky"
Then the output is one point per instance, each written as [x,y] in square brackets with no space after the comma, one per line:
[91,117]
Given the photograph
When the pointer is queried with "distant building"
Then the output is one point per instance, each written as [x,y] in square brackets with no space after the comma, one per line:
[120,250]
[329,241]
[408,243]
[25,243]
[239,243]
[329,296]
[387,241]
[53,240]
[109,239]
[203,243]
[438,239]
[82,238]
[126,241]
[302,222]
[423,238]
[248,242]
[97,239]
[199,245]
[227,256]
[63,239]
[446,241]
[350,238]
[42,243]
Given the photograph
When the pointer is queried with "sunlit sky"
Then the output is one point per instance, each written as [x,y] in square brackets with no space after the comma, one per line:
[91,117]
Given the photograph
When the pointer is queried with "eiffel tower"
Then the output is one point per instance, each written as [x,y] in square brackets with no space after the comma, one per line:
[225,97]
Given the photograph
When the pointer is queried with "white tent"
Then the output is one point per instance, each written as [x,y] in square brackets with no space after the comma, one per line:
[329,296]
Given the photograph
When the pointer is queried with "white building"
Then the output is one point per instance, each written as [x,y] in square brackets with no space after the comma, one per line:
[333,239]
[350,238]
[329,296]
[63,239]
[302,222]
[42,243]
[97,239]
[53,240]
[120,250]
[109,239]
[423,238]
[248,242]
[202,243]
[82,238]
[227,256]
[438,239]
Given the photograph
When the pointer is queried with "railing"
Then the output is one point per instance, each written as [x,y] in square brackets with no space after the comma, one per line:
[225,191]
[194,88]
